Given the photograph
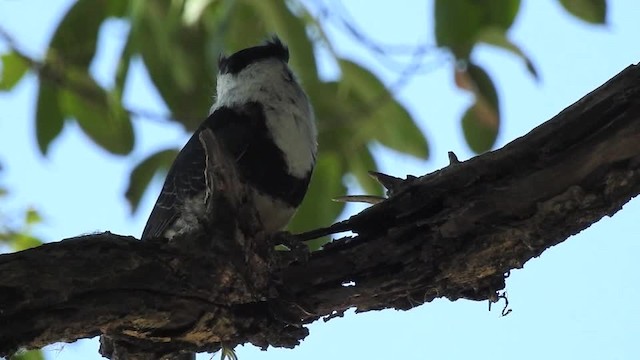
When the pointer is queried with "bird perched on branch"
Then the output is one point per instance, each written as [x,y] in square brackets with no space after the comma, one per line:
[265,121]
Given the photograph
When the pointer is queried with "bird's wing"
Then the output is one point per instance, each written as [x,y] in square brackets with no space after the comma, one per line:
[235,127]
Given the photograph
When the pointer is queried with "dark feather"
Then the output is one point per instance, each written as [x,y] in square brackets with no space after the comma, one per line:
[243,58]
[243,132]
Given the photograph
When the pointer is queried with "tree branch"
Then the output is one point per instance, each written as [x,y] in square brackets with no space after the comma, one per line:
[453,233]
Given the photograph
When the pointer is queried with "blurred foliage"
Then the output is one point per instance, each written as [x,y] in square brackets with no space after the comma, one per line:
[179,43]
[593,11]
[460,25]
[28,355]
[17,233]
[13,69]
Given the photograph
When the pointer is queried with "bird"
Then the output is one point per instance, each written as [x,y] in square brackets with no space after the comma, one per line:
[265,121]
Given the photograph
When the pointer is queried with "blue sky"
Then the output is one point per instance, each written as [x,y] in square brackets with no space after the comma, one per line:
[580,299]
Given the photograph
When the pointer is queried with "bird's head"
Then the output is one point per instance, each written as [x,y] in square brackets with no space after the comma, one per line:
[251,68]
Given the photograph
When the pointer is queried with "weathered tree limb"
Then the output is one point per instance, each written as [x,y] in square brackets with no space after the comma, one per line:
[453,233]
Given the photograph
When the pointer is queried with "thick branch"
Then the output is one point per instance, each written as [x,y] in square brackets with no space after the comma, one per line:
[452,233]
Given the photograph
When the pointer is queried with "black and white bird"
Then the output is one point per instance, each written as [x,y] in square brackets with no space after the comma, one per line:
[265,121]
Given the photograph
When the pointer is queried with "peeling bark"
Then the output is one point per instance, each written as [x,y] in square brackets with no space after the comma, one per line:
[453,233]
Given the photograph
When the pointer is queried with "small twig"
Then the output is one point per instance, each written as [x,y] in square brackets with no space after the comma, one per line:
[367,199]
[453,159]
[391,183]
[505,310]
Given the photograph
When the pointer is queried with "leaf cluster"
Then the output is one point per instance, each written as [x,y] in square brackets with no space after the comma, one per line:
[178,43]
[461,25]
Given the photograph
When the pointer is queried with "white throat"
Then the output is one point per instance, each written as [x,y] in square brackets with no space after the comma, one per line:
[287,109]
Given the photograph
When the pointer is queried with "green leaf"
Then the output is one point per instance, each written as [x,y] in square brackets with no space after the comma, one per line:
[177,57]
[13,69]
[74,41]
[483,88]
[458,22]
[331,110]
[479,133]
[118,8]
[28,355]
[23,241]
[32,217]
[379,115]
[341,131]
[292,30]
[123,65]
[99,114]
[251,22]
[49,118]
[317,244]
[317,208]
[497,37]
[241,26]
[500,13]
[591,11]
[481,121]
[143,173]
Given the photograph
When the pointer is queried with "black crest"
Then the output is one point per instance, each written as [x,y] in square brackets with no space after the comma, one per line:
[273,48]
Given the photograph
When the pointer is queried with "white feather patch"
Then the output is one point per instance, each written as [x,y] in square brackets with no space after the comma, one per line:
[287,109]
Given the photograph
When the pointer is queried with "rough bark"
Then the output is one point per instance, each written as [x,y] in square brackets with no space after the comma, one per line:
[453,233]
